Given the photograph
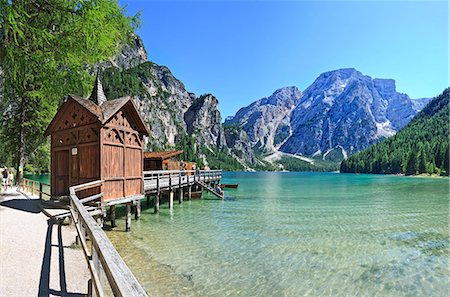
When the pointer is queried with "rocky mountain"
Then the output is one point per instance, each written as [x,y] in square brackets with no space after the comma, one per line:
[342,112]
[166,106]
[420,147]
[131,55]
[347,111]
[176,117]
[240,145]
[204,122]
[267,121]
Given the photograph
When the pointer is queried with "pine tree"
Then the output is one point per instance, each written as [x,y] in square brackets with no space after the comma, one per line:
[422,166]
[47,50]
[411,165]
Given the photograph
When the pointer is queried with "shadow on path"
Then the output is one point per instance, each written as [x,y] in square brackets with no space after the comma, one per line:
[44,283]
[28,205]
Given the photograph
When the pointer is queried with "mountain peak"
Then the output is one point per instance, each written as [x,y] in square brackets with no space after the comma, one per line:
[341,104]
[342,73]
[384,85]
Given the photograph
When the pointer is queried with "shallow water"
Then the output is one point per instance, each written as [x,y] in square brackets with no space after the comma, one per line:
[293,234]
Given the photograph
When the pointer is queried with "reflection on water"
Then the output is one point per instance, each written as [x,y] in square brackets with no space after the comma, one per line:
[294,234]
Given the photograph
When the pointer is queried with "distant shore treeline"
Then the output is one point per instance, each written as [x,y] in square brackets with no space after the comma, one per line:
[420,147]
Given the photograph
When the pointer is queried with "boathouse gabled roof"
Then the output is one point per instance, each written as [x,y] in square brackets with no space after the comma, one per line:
[103,111]
[163,155]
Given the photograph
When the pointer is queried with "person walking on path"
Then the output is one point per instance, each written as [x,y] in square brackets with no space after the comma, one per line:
[10,178]
[5,178]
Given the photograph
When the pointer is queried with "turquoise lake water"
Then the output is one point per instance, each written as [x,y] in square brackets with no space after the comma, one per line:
[295,234]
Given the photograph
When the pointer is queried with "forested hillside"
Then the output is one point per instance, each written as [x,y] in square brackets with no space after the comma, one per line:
[420,147]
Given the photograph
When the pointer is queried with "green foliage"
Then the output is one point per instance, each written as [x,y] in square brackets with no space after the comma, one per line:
[335,155]
[190,152]
[295,164]
[48,49]
[261,165]
[218,159]
[420,147]
[118,83]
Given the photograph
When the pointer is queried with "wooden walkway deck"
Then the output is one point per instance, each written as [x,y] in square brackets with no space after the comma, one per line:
[166,180]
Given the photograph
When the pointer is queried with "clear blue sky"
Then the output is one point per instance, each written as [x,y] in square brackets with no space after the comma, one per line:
[241,51]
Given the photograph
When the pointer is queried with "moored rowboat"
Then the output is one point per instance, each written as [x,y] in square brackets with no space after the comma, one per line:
[194,195]
[230,186]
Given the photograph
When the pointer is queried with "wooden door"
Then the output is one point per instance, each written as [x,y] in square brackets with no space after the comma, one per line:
[61,165]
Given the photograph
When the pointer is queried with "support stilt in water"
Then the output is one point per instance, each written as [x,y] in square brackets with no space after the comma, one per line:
[128,221]
[180,195]
[171,199]
[112,215]
[190,192]
[137,214]
[157,202]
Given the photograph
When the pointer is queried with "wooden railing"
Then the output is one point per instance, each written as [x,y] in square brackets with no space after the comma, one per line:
[108,270]
[156,179]
[36,188]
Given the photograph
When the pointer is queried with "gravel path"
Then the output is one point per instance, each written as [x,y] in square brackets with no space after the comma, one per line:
[37,258]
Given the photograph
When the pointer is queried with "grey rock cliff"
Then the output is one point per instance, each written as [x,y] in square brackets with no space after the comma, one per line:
[347,111]
[342,112]
[131,55]
[267,121]
[203,121]
[163,101]
[240,145]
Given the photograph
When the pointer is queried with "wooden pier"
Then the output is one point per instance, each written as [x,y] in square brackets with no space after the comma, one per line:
[167,180]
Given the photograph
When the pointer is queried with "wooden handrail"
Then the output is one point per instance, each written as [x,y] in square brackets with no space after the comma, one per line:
[102,258]
[167,172]
[32,189]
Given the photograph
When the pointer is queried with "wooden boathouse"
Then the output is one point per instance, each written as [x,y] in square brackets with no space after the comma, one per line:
[163,160]
[97,139]
[101,142]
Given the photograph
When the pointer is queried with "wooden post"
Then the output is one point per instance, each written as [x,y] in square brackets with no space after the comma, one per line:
[128,221]
[180,195]
[190,192]
[32,188]
[157,202]
[170,181]
[98,267]
[137,214]
[112,215]
[40,191]
[99,220]
[171,199]
[158,193]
